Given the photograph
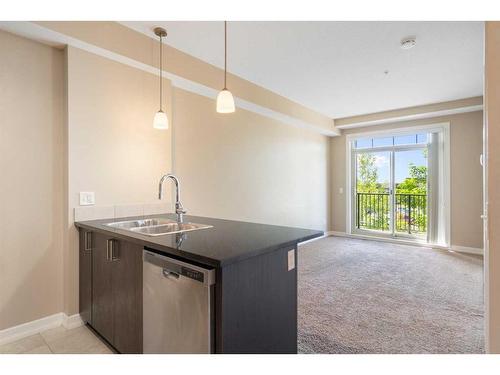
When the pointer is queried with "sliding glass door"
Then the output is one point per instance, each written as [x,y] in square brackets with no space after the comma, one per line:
[373,184]
[390,186]
[410,187]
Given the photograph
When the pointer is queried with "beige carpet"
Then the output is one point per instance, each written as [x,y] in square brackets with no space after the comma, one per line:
[358,296]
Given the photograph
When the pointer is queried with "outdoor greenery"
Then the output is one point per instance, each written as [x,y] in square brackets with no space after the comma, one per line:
[374,203]
[368,174]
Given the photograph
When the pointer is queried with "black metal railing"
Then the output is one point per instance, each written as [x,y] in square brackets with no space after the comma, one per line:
[373,212]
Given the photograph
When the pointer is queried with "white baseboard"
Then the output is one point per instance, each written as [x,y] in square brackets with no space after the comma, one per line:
[72,321]
[467,250]
[456,248]
[338,234]
[327,234]
[40,325]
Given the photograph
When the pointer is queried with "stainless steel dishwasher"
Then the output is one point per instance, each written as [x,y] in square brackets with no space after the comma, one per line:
[177,306]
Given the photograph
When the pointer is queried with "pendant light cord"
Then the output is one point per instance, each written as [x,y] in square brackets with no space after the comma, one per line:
[161,75]
[225,54]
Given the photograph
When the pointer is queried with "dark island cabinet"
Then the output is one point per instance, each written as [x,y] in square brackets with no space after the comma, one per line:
[127,297]
[256,312]
[102,296]
[255,299]
[111,289]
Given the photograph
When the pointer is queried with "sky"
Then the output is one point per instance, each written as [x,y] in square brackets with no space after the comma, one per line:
[402,162]
[402,158]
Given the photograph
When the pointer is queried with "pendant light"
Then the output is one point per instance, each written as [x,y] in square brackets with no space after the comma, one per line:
[225,100]
[161,120]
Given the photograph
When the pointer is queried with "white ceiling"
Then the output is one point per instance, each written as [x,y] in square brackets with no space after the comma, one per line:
[337,68]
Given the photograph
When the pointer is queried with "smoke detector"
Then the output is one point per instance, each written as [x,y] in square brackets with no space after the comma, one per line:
[408,42]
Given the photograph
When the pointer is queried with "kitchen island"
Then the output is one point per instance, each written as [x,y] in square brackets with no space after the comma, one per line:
[255,281]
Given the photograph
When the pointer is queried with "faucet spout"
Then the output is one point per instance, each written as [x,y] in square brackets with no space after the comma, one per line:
[179,209]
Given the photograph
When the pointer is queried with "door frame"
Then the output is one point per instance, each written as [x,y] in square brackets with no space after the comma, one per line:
[445,208]
[392,150]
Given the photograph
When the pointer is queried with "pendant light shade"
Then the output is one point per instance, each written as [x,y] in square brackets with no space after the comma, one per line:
[225,100]
[160,120]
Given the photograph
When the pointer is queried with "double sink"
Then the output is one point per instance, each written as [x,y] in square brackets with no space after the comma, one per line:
[157,226]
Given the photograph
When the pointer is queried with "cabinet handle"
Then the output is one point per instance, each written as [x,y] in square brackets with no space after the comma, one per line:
[114,251]
[88,241]
[108,249]
[111,251]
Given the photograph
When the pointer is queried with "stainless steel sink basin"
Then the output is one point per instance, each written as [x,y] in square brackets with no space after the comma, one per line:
[140,223]
[157,226]
[158,230]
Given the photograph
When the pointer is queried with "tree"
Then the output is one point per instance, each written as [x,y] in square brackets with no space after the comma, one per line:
[367,173]
[416,183]
[413,203]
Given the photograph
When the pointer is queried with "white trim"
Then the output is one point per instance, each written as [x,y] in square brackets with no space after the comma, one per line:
[444,128]
[447,181]
[486,243]
[385,239]
[327,234]
[418,116]
[400,130]
[418,146]
[349,194]
[467,250]
[455,248]
[73,321]
[47,36]
[21,331]
[30,328]
[335,233]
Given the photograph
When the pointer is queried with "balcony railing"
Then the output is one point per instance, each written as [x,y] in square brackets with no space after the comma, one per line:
[373,212]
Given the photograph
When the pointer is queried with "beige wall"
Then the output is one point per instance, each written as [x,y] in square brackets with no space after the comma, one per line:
[466,175]
[31,145]
[89,126]
[124,41]
[113,150]
[492,258]
[247,167]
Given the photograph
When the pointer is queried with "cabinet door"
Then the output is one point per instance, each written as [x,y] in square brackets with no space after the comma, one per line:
[85,275]
[256,308]
[127,297]
[102,296]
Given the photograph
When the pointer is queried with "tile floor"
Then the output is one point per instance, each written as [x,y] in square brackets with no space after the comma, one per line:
[58,340]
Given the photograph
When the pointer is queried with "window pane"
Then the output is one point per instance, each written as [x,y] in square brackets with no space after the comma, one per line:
[405,139]
[372,190]
[422,138]
[381,142]
[363,143]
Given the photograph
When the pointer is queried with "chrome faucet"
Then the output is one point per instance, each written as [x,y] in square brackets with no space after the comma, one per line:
[179,209]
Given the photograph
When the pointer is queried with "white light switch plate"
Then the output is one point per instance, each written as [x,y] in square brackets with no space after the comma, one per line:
[87,198]
[291,260]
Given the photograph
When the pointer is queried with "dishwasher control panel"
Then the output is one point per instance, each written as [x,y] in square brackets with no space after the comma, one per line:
[192,274]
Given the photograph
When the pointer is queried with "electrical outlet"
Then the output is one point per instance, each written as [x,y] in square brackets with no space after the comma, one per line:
[291,260]
[87,198]
[341,190]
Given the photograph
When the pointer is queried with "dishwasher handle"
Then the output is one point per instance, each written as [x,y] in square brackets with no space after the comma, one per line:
[167,273]
[175,268]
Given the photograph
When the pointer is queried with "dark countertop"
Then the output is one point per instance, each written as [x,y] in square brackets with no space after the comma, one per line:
[227,242]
